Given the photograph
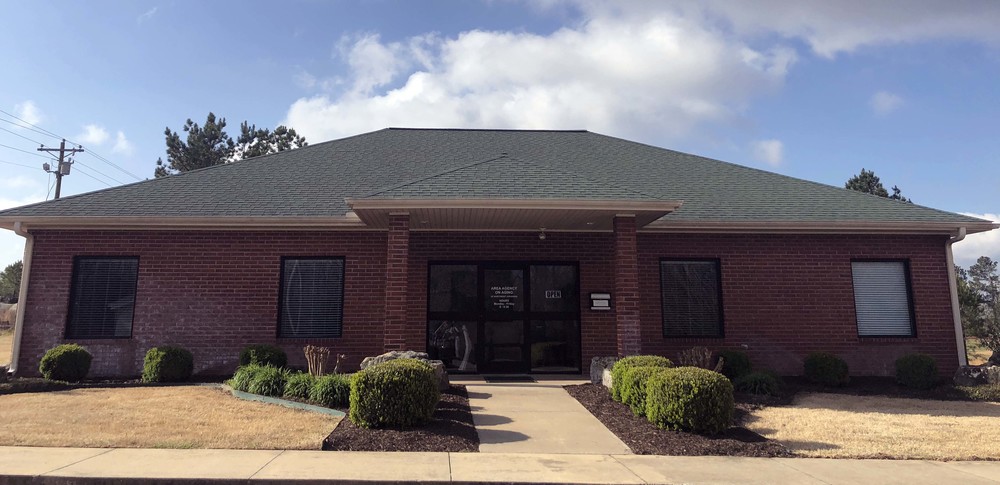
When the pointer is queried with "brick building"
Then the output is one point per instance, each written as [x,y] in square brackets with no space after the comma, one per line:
[497,251]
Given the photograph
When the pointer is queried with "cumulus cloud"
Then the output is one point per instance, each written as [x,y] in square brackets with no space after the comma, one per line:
[973,246]
[661,76]
[93,135]
[122,145]
[884,102]
[771,152]
[28,112]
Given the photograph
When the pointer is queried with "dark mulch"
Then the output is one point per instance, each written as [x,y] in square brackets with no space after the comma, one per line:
[451,429]
[644,438]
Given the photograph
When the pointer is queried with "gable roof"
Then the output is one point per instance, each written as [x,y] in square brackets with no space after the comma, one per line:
[402,163]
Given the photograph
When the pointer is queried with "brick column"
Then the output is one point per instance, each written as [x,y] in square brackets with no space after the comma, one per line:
[396,277]
[626,296]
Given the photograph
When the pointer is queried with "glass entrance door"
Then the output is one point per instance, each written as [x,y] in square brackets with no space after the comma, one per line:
[504,346]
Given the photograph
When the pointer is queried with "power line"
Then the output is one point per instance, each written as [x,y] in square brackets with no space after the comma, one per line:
[82,172]
[23,151]
[19,125]
[20,135]
[88,167]
[19,164]
[109,162]
[31,124]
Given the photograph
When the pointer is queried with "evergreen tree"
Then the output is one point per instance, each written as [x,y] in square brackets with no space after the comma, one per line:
[869,183]
[10,283]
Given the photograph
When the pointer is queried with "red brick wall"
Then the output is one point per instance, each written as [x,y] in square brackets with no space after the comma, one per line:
[786,296]
[214,292]
[210,292]
[396,278]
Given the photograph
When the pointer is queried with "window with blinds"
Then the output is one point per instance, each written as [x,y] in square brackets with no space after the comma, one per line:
[102,297]
[312,297]
[882,299]
[691,293]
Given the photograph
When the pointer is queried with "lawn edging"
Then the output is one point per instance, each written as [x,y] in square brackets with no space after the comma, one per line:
[283,402]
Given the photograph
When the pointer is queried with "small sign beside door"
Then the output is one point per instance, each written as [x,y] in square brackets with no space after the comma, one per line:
[553,294]
[600,301]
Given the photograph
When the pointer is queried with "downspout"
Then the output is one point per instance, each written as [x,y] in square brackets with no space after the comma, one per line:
[956,310]
[22,297]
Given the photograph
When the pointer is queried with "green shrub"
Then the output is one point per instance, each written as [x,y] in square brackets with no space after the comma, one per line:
[299,385]
[167,364]
[66,362]
[917,370]
[735,364]
[263,354]
[331,390]
[398,393]
[633,387]
[759,383]
[690,399]
[633,361]
[243,376]
[268,381]
[826,369]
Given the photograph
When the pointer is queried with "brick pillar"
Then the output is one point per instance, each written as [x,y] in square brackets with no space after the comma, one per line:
[626,296]
[396,277]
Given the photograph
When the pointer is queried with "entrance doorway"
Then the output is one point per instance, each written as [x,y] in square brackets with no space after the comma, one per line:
[504,317]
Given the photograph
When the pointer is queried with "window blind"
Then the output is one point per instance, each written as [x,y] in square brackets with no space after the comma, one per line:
[102,298]
[312,298]
[882,298]
[692,304]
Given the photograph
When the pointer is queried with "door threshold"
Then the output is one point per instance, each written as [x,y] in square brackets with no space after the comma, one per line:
[508,378]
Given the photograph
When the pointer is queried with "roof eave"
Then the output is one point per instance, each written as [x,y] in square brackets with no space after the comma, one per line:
[820,227]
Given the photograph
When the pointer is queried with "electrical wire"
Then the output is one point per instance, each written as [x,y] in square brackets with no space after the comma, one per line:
[82,172]
[19,164]
[22,126]
[22,136]
[47,132]
[88,167]
[24,151]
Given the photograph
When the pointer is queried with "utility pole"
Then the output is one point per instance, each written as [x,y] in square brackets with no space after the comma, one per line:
[64,163]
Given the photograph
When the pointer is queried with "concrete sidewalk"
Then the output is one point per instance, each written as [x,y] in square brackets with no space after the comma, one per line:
[536,417]
[83,465]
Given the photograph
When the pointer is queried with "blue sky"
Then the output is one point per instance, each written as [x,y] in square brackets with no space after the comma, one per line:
[815,90]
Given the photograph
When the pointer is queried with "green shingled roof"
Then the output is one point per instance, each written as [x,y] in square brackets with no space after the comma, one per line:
[398,163]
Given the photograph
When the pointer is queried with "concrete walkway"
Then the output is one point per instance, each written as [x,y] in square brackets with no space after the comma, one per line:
[536,417]
[77,465]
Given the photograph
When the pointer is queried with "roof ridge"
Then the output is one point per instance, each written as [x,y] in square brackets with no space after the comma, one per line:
[404,128]
[428,177]
[610,184]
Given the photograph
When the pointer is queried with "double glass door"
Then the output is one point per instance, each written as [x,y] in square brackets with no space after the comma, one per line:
[504,317]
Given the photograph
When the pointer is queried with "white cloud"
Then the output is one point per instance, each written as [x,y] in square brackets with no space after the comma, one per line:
[973,246]
[92,135]
[122,145]
[147,15]
[28,112]
[771,152]
[659,77]
[884,102]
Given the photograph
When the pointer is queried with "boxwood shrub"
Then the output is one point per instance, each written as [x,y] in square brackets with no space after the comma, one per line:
[826,369]
[268,381]
[299,385]
[917,370]
[633,387]
[624,363]
[331,390]
[264,355]
[167,364]
[398,393]
[735,364]
[66,362]
[690,399]
[758,383]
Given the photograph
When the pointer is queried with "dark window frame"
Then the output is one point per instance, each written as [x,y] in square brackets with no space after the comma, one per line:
[908,276]
[67,334]
[722,313]
[281,295]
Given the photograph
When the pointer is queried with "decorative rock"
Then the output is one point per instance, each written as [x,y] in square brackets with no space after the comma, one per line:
[976,375]
[440,374]
[598,366]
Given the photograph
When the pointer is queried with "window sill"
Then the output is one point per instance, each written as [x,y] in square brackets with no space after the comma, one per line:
[892,339]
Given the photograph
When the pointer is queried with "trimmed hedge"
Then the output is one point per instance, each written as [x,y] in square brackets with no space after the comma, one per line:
[826,369]
[398,393]
[66,362]
[631,361]
[268,381]
[735,364]
[263,354]
[690,399]
[758,383]
[633,387]
[331,390]
[167,364]
[918,371]
[299,385]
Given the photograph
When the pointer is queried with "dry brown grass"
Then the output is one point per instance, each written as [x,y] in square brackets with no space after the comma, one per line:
[977,353]
[6,343]
[844,426]
[156,417]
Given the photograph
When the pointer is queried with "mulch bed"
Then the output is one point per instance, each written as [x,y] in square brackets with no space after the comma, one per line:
[450,429]
[644,438]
